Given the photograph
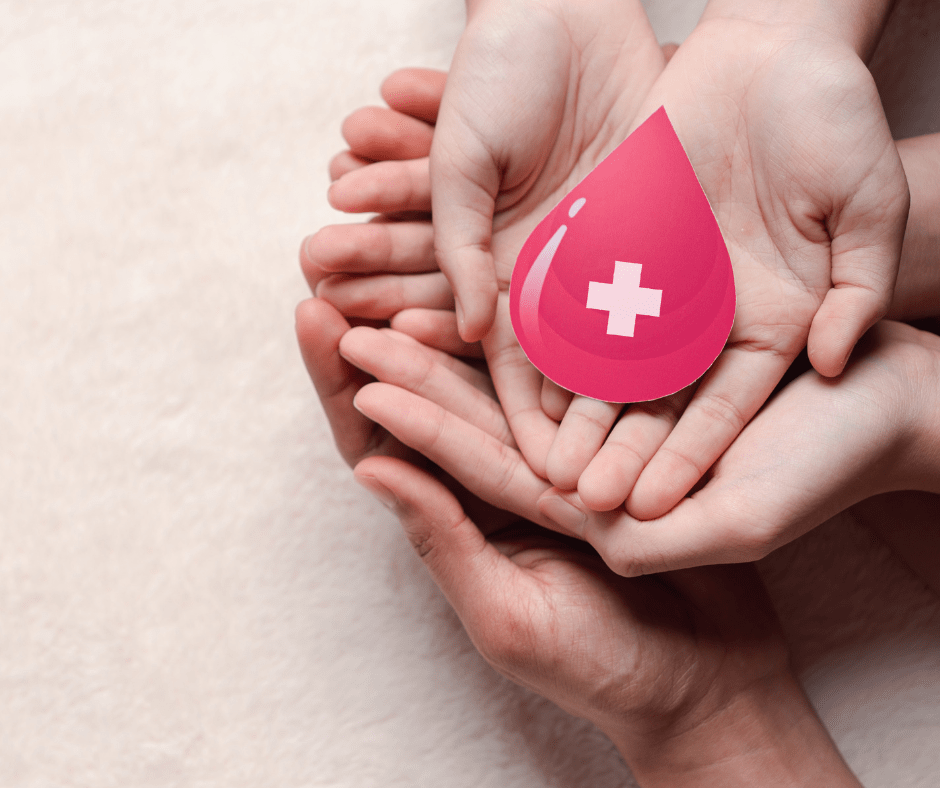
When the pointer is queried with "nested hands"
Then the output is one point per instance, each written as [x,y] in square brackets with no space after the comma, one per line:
[687,672]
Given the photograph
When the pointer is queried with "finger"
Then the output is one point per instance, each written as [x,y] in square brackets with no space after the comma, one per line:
[377,247]
[465,181]
[383,187]
[729,395]
[610,476]
[581,433]
[867,236]
[344,162]
[435,328]
[483,464]
[380,297]
[472,374]
[319,330]
[380,134]
[690,535]
[467,568]
[555,399]
[416,92]
[519,387]
[404,365]
[669,50]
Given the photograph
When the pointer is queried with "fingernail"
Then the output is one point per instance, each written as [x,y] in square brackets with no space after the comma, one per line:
[382,494]
[568,517]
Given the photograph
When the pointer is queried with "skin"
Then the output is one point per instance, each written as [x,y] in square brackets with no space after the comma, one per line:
[584,76]
[917,284]
[678,670]
[782,123]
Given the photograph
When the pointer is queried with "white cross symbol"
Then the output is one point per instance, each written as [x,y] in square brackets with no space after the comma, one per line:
[624,299]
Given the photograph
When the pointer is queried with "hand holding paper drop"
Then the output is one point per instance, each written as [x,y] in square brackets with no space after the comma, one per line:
[625,292]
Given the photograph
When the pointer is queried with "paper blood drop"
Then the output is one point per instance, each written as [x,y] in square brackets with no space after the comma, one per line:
[625,292]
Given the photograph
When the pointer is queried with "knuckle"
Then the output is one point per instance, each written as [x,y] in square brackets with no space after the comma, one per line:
[503,637]
[505,473]
[621,561]
[725,411]
[684,460]
[626,453]
[589,420]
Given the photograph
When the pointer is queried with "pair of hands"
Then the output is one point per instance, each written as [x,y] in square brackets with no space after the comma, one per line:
[684,671]
[785,130]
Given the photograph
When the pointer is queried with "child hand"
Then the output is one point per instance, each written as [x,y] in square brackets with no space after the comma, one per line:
[786,133]
[542,146]
[815,449]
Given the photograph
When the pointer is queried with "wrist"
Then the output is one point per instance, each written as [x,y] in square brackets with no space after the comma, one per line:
[923,456]
[857,23]
[917,293]
[768,734]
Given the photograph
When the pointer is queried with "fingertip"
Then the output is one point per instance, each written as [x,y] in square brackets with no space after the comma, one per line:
[827,361]
[343,162]
[318,323]
[415,91]
[844,317]
[334,194]
[474,318]
[598,494]
[656,492]
[558,468]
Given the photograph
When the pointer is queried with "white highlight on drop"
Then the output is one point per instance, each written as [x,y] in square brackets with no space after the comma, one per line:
[624,299]
[576,206]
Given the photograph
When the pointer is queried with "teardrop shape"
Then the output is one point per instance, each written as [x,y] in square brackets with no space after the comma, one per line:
[625,292]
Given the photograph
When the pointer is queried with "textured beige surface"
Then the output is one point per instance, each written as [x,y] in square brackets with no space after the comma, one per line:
[193,592]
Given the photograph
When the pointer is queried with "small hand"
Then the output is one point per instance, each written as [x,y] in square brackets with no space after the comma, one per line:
[787,135]
[499,165]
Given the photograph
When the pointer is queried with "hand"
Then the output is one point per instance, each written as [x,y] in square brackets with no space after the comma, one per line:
[786,133]
[580,89]
[686,672]
[320,331]
[816,448]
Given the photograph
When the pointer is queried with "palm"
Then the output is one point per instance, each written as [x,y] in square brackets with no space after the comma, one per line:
[549,118]
[773,177]
[789,141]
[624,643]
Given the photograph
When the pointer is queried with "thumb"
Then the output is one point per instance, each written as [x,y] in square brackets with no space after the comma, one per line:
[866,253]
[690,535]
[460,559]
[465,180]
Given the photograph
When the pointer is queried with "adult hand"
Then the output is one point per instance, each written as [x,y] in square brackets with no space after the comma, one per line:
[686,672]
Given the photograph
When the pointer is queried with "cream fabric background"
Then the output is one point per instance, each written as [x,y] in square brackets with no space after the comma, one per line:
[193,591]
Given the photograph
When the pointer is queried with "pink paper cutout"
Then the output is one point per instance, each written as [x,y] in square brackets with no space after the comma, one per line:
[625,292]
